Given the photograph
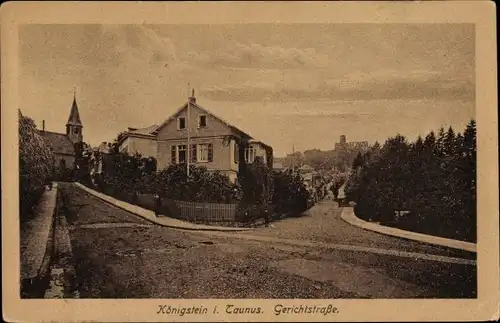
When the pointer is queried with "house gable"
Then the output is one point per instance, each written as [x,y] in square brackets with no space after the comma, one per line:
[214,127]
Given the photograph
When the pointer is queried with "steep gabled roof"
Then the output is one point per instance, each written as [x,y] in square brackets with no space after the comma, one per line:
[74,115]
[148,131]
[194,104]
[58,142]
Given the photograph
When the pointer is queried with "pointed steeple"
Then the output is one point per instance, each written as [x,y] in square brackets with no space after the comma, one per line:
[74,127]
[74,115]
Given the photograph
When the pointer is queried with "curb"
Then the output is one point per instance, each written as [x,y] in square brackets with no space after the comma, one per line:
[348,216]
[149,215]
[63,273]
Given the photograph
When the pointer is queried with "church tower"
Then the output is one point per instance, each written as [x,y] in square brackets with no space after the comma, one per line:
[74,127]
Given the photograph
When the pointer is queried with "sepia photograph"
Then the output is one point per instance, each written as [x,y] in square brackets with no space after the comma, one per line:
[261,160]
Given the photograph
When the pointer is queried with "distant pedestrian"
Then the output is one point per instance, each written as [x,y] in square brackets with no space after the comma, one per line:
[157,202]
[48,183]
[266,217]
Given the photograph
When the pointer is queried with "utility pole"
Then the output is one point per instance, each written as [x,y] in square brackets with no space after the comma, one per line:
[293,159]
[188,148]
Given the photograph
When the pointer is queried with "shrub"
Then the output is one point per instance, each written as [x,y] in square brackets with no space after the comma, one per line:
[290,193]
[35,165]
[201,186]
[257,188]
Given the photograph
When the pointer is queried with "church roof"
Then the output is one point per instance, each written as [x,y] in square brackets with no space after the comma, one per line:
[58,142]
[74,115]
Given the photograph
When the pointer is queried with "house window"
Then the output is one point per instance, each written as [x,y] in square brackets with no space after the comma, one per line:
[75,131]
[236,153]
[203,153]
[181,154]
[202,122]
[250,154]
[181,123]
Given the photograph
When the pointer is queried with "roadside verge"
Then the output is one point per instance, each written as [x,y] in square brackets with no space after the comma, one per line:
[36,246]
[349,217]
[150,215]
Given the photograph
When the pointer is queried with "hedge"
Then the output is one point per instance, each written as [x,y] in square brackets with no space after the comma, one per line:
[35,165]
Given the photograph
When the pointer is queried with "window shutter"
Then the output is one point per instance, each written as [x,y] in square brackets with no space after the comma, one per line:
[210,153]
[193,154]
[172,155]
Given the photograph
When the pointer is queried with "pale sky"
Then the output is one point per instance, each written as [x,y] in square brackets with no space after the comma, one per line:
[299,85]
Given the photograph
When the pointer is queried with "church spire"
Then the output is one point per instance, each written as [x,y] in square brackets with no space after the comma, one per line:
[74,127]
[74,115]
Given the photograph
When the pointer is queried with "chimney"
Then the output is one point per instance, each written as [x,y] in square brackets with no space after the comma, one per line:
[43,125]
[192,98]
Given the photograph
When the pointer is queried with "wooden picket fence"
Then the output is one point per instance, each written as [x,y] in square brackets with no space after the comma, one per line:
[191,211]
[205,212]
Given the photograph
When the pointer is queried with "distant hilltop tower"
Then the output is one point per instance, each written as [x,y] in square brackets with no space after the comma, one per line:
[343,140]
[74,127]
[356,146]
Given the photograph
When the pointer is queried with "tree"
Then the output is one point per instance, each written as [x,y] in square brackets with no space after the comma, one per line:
[468,176]
[449,142]
[36,162]
[433,178]
[81,166]
[440,142]
[358,161]
[430,142]
[116,141]
[294,160]
[257,183]
[290,193]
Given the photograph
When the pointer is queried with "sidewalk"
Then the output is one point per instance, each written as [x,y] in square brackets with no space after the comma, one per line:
[36,240]
[150,215]
[349,216]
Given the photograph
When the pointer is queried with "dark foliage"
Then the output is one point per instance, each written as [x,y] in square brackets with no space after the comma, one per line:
[202,185]
[428,185]
[35,165]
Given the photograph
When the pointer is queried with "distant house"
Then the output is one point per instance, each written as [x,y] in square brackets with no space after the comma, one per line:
[63,144]
[278,166]
[213,142]
[142,141]
[305,169]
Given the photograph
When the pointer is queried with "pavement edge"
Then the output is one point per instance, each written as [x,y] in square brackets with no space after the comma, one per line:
[348,216]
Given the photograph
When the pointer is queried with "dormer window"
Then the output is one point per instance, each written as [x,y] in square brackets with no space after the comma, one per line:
[202,123]
[181,123]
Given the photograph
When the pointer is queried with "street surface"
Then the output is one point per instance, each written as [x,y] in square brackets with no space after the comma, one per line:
[116,254]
